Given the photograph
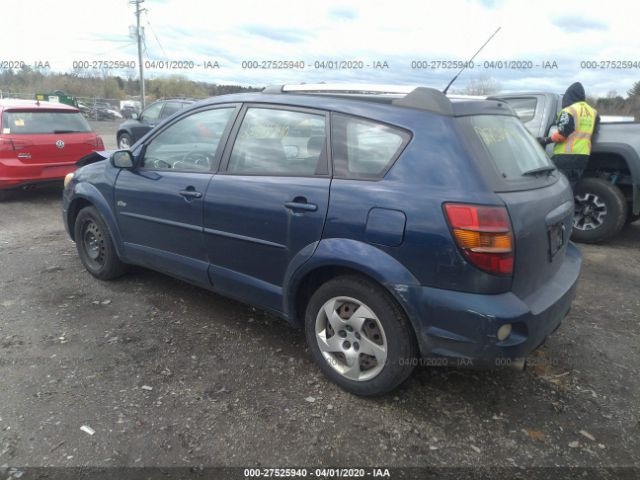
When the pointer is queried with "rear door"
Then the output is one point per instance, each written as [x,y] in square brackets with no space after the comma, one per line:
[159,204]
[268,203]
[538,198]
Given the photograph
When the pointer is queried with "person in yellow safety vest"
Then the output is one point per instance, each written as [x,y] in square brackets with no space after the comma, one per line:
[577,124]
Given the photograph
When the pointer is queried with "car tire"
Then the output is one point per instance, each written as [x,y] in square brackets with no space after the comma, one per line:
[4,195]
[95,246]
[600,211]
[124,141]
[367,355]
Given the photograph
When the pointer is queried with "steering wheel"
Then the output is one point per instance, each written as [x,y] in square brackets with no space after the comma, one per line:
[198,158]
[157,162]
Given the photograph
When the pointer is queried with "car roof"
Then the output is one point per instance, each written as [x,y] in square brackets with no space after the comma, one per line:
[18,104]
[342,96]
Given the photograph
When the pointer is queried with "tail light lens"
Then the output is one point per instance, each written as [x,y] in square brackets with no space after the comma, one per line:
[97,143]
[14,144]
[484,235]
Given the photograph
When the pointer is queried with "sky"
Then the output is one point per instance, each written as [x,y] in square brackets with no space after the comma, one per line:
[355,35]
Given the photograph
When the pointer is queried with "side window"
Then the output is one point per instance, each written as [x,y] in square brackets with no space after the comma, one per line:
[364,149]
[525,108]
[170,108]
[152,113]
[190,144]
[280,142]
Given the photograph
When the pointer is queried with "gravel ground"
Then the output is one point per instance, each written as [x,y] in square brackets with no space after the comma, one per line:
[168,374]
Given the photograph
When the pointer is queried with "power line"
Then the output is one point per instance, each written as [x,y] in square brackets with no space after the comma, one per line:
[146,14]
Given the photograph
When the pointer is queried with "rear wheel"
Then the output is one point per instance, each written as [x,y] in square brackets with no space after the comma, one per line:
[124,141]
[95,246]
[359,337]
[600,210]
[4,194]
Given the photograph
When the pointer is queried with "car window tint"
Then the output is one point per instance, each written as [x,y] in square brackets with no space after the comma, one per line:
[152,113]
[42,122]
[509,145]
[280,142]
[364,148]
[170,108]
[190,144]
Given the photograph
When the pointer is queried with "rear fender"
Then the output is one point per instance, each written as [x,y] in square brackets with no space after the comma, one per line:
[354,255]
[632,160]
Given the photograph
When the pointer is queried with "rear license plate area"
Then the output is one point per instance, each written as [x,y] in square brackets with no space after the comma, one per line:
[557,235]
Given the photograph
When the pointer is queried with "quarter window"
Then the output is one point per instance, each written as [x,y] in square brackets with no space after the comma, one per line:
[190,144]
[280,142]
[364,149]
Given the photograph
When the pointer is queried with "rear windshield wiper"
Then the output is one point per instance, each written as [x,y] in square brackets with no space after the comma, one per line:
[546,169]
[67,131]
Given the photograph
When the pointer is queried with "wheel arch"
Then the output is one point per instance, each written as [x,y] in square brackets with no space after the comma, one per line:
[334,257]
[618,156]
[121,131]
[87,195]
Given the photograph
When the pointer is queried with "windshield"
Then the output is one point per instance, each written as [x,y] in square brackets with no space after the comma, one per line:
[43,122]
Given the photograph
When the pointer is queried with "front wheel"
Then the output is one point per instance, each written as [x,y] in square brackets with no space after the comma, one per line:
[359,337]
[95,246]
[600,210]
[124,141]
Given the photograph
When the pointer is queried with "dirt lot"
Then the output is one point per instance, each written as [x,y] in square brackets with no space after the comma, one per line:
[168,374]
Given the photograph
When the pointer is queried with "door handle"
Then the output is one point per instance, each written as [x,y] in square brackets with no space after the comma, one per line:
[300,203]
[190,193]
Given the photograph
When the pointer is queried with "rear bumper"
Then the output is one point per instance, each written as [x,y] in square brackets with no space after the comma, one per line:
[16,174]
[462,327]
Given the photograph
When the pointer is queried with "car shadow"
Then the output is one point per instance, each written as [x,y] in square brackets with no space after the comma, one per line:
[39,194]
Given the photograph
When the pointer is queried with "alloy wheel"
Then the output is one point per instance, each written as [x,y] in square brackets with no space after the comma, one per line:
[590,212]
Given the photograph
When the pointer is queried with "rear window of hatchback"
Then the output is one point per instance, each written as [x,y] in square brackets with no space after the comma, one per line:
[29,122]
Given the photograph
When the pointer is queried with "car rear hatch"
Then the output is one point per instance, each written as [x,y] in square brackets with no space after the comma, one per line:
[46,136]
[537,197]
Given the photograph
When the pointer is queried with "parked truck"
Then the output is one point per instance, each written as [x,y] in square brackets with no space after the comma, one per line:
[608,195]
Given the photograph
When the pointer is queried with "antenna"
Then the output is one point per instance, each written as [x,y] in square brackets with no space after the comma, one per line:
[470,60]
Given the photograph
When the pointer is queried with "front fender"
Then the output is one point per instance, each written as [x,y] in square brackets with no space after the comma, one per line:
[84,191]
[355,255]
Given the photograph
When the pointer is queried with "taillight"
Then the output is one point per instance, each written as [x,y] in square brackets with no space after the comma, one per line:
[5,144]
[14,144]
[484,235]
[97,143]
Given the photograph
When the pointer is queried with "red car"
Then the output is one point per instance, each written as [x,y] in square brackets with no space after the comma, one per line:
[41,142]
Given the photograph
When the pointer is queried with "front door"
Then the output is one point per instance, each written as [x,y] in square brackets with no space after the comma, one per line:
[269,203]
[159,203]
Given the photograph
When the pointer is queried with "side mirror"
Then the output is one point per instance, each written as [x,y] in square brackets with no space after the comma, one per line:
[122,159]
[135,116]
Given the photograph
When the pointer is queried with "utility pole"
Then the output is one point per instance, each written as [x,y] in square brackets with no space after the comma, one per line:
[139,40]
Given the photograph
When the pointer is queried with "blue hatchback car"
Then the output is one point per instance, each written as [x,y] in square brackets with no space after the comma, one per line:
[397,227]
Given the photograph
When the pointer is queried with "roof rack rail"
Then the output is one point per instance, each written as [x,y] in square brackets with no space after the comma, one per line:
[362,88]
[418,98]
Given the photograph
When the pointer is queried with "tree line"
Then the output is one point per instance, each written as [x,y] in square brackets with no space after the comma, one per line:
[102,85]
